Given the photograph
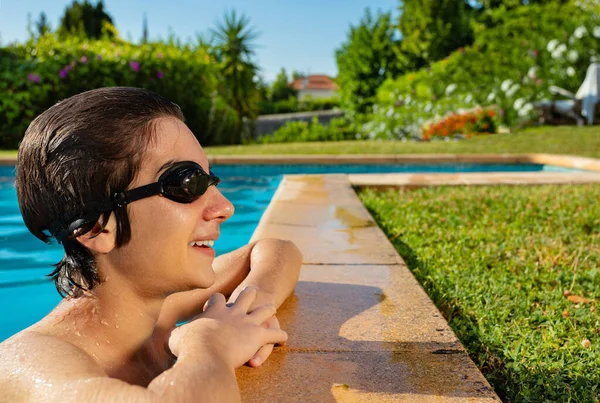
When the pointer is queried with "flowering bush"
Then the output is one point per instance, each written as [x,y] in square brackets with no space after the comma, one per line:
[463,123]
[511,65]
[35,75]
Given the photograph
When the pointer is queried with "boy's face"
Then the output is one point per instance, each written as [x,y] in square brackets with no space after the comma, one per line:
[159,258]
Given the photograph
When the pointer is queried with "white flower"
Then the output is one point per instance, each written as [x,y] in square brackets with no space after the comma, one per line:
[570,71]
[519,104]
[532,73]
[491,97]
[580,32]
[526,109]
[468,98]
[512,90]
[558,52]
[450,89]
[506,85]
[389,112]
[596,32]
[552,45]
[594,59]
[428,107]
[573,56]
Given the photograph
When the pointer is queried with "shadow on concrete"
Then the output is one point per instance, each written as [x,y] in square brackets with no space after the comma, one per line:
[320,365]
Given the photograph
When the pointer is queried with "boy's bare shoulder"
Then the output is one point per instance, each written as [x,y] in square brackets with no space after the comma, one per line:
[34,364]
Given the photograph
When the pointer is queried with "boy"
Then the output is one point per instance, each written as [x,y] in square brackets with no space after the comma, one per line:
[117,177]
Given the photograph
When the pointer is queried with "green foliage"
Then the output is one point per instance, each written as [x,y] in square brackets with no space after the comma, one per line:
[432,29]
[299,131]
[510,4]
[35,75]
[366,59]
[42,26]
[496,261]
[510,65]
[234,41]
[292,104]
[84,19]
[281,89]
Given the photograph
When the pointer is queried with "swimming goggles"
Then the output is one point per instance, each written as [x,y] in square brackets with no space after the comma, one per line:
[184,182]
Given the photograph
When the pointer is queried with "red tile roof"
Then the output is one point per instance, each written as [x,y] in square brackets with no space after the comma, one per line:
[314,82]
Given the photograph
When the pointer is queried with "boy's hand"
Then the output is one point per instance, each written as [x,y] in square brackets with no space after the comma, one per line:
[265,351]
[227,331]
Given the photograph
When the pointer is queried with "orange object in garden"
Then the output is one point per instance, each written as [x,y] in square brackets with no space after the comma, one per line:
[465,123]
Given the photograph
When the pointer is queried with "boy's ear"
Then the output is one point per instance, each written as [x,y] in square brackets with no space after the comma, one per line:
[101,240]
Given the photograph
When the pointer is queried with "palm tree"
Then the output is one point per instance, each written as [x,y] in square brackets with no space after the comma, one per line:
[234,41]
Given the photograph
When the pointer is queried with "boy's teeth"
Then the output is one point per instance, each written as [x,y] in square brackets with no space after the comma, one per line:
[202,243]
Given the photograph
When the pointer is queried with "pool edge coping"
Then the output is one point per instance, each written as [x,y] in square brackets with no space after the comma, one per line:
[566,161]
[338,191]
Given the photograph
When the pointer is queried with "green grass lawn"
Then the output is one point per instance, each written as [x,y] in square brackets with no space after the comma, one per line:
[8,154]
[583,141]
[496,261]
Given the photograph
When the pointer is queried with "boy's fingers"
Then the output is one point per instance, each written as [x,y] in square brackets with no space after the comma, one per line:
[214,300]
[275,336]
[263,313]
[261,355]
[245,299]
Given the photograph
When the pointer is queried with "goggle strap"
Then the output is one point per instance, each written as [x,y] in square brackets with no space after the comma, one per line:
[153,189]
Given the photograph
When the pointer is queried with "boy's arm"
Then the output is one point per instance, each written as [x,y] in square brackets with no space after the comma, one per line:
[270,265]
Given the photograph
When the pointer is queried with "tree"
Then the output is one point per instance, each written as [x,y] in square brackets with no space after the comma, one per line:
[234,41]
[41,25]
[508,4]
[366,59]
[432,29]
[84,19]
[281,89]
[296,75]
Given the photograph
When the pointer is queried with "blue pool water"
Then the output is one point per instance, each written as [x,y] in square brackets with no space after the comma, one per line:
[25,260]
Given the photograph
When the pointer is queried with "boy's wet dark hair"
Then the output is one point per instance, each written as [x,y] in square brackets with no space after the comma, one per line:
[82,150]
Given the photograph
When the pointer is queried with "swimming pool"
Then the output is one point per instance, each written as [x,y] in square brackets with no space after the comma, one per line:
[25,261]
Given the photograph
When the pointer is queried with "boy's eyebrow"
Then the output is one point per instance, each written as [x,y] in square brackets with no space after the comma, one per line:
[166,165]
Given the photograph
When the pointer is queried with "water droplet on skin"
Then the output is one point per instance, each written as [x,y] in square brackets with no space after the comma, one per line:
[94,310]
[116,316]
[97,344]
[77,334]
[116,326]
[107,341]
[171,383]
[104,322]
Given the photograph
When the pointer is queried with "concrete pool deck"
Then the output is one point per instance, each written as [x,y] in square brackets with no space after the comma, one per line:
[361,327]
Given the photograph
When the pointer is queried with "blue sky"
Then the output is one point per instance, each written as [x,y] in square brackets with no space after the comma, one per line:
[297,35]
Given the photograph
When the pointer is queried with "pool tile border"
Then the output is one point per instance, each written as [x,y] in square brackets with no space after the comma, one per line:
[567,161]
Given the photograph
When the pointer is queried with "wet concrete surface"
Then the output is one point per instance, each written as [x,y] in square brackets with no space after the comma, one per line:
[361,327]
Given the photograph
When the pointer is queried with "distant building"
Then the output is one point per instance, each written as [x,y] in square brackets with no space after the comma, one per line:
[315,86]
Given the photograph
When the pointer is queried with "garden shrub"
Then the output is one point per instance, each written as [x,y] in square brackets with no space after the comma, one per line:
[299,131]
[510,65]
[35,75]
[292,104]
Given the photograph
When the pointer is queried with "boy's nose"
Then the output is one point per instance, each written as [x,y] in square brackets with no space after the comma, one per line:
[218,207]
